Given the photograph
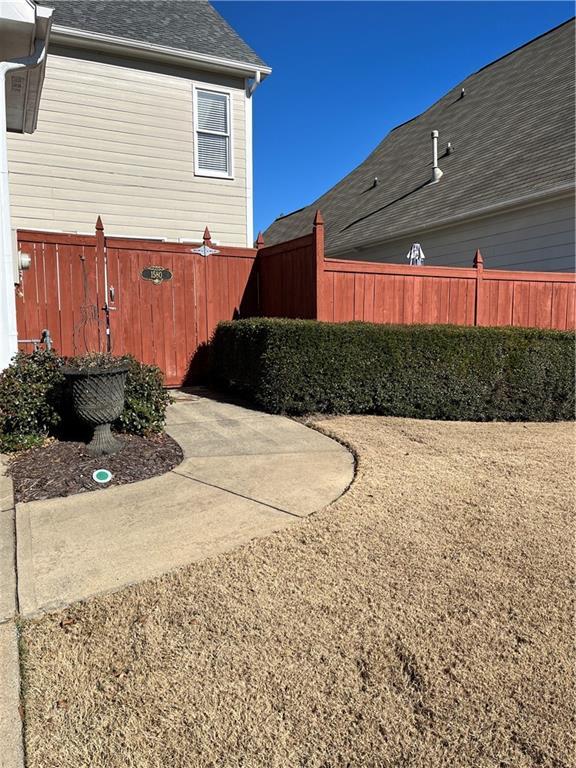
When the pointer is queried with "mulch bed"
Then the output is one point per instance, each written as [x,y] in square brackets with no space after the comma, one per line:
[62,468]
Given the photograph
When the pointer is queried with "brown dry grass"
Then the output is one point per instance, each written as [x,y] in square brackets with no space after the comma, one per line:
[423,620]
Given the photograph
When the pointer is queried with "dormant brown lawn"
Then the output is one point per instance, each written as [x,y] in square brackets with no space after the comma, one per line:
[423,620]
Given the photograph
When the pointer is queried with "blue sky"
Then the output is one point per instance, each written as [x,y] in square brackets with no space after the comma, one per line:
[345,73]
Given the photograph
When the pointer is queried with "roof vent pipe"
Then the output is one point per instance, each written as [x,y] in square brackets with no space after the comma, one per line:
[436,172]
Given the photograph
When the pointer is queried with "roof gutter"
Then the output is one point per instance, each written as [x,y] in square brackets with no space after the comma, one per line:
[111,43]
[564,190]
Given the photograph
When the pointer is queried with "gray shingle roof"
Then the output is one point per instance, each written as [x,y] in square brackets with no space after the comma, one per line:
[188,25]
[512,134]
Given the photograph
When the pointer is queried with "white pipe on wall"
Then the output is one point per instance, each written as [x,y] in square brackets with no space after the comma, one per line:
[8,330]
[436,172]
[255,82]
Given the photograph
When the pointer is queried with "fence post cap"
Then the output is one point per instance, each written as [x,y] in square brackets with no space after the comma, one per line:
[478,260]
[259,240]
[318,220]
[207,237]
[99,225]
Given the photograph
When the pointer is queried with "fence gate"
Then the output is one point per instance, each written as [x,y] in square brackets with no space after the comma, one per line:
[157,301]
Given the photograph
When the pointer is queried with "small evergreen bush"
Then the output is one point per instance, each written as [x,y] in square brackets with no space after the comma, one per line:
[34,401]
[432,372]
[31,391]
[145,401]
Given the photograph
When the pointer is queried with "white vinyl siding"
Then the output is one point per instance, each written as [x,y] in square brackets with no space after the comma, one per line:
[118,141]
[213,141]
[537,238]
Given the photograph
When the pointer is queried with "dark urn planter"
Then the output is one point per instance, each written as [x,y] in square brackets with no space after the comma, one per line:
[98,399]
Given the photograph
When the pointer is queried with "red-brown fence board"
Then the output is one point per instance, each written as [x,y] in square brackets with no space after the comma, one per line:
[287,279]
[394,293]
[171,323]
[346,290]
[165,324]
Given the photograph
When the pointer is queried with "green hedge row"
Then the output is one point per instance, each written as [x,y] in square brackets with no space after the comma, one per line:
[433,372]
[34,402]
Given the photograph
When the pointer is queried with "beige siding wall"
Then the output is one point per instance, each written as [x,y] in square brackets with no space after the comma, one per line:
[115,138]
[539,238]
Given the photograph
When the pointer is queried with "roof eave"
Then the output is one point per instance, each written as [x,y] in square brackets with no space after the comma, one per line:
[110,43]
[564,190]
[31,34]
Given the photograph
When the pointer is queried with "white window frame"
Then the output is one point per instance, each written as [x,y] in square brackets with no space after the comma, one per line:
[202,171]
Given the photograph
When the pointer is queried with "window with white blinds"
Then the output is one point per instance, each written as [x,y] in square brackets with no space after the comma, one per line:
[212,118]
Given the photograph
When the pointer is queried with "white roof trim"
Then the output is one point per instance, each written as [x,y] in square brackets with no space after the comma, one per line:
[478,213]
[95,40]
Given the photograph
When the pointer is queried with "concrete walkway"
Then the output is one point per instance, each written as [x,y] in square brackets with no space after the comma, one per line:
[244,474]
[11,748]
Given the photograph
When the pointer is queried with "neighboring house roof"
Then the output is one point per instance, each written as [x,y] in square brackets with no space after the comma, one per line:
[512,134]
[187,25]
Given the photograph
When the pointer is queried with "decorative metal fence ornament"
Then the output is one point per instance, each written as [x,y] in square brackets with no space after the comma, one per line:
[205,250]
[89,324]
[415,255]
[206,247]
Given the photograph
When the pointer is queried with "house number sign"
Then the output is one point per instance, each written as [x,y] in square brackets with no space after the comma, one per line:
[156,275]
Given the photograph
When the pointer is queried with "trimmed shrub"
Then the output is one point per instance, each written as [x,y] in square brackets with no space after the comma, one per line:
[30,399]
[145,401]
[34,401]
[431,372]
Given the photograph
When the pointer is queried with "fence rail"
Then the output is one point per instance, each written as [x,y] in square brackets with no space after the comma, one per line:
[73,277]
[67,288]
[344,290]
[287,278]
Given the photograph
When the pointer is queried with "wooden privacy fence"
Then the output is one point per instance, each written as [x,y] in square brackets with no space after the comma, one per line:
[296,280]
[164,299]
[287,277]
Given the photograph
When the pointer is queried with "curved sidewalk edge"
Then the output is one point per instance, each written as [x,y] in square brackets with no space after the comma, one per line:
[245,474]
[11,744]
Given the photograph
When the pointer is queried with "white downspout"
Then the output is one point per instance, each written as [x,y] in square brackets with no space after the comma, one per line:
[8,330]
[255,83]
[250,88]
[249,168]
